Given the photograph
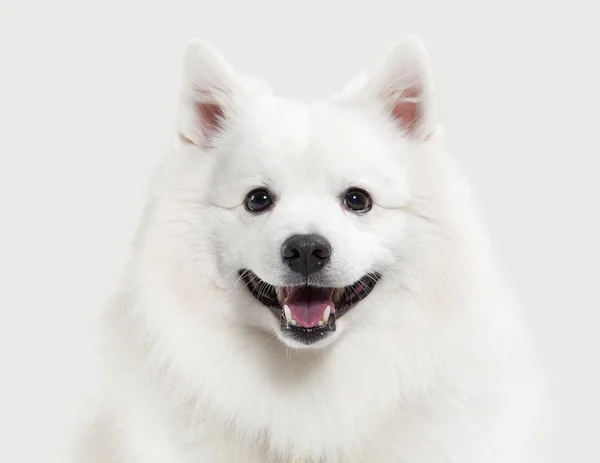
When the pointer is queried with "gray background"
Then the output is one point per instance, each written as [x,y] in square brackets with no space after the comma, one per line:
[87,99]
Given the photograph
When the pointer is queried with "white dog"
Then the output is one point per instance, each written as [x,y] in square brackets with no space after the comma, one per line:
[310,283]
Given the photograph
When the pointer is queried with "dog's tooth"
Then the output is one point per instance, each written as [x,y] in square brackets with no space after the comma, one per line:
[280,293]
[326,314]
[288,314]
[337,295]
[321,323]
[293,322]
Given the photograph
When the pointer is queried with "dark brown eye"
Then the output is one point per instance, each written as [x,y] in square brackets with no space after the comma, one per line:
[258,201]
[357,201]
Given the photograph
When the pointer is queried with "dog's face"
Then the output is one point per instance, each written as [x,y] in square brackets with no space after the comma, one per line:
[305,204]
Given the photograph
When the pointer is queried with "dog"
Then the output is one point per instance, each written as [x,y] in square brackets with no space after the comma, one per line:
[311,283]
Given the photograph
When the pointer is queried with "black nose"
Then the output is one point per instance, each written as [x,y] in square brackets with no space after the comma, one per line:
[306,254]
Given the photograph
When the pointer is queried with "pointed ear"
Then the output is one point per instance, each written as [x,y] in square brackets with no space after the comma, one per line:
[206,100]
[405,87]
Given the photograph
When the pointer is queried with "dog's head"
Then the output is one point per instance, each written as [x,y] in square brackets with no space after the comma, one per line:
[301,209]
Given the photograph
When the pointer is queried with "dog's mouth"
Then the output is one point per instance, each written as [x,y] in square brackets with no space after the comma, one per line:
[308,313]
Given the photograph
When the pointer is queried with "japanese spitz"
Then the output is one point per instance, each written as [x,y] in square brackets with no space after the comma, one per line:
[310,283]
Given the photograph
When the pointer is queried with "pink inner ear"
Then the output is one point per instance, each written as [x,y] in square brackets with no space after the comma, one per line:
[211,117]
[407,110]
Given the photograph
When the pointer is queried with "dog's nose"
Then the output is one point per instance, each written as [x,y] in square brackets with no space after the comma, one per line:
[306,254]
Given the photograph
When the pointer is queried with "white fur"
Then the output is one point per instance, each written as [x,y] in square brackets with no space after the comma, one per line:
[433,366]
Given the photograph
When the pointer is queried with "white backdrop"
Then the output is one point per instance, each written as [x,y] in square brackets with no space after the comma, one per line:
[87,98]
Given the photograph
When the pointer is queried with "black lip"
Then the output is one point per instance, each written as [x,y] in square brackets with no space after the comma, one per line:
[309,335]
[266,295]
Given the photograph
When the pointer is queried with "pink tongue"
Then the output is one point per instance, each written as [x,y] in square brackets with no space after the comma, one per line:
[308,304]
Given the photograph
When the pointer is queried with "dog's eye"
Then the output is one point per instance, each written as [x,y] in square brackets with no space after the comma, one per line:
[258,200]
[357,201]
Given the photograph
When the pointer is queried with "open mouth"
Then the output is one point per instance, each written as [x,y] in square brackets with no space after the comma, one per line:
[308,313]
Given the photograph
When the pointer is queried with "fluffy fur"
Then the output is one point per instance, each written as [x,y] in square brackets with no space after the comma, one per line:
[433,366]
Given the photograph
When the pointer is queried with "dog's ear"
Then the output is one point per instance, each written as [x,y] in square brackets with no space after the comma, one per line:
[206,100]
[405,87]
